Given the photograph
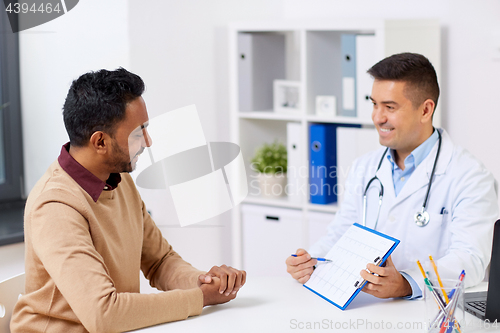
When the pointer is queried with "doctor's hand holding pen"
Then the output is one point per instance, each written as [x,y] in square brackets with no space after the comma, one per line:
[301,265]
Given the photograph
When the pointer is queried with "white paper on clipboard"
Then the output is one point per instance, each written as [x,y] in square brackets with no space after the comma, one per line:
[335,281]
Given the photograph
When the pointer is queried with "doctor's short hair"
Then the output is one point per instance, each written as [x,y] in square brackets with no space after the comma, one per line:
[415,70]
[96,101]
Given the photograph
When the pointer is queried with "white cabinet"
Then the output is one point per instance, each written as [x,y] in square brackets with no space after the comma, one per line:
[270,235]
[318,222]
[309,54]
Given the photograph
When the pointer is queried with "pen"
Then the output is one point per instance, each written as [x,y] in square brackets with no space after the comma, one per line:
[318,259]
[445,311]
[432,285]
[446,323]
[439,280]
[429,284]
[460,278]
[438,299]
[451,312]
[359,283]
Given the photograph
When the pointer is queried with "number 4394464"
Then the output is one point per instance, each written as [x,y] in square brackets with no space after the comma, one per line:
[17,8]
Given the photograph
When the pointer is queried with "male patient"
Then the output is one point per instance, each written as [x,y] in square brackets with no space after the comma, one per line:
[88,233]
[462,202]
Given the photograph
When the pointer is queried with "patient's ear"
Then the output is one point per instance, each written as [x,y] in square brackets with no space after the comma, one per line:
[100,142]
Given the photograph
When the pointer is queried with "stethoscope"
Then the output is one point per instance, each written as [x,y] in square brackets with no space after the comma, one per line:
[422,217]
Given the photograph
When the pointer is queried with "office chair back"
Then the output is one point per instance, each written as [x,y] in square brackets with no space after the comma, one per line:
[10,291]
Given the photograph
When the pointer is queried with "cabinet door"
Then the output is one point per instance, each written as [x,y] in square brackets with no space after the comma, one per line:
[270,235]
[318,222]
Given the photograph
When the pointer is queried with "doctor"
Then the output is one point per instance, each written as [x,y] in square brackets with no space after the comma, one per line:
[437,198]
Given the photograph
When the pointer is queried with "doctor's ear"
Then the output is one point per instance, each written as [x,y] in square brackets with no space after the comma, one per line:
[428,110]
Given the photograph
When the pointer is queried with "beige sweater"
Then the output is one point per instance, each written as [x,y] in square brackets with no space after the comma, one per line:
[83,260]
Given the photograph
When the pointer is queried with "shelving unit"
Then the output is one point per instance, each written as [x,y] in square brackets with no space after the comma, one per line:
[274,202]
[309,53]
[270,116]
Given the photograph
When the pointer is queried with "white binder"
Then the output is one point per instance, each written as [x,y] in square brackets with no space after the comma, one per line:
[294,149]
[245,74]
[365,59]
[261,60]
[348,63]
[352,143]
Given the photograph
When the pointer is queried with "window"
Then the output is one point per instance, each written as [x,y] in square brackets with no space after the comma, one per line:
[2,153]
[11,148]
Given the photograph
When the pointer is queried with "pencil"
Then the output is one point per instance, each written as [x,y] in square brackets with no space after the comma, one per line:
[439,280]
[421,268]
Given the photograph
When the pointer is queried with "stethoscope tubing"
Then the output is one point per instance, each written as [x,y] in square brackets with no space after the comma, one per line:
[422,213]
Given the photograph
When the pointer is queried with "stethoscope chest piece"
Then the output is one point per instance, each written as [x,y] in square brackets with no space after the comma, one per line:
[422,218]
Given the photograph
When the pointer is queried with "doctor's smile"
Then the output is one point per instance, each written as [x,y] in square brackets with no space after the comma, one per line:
[385,132]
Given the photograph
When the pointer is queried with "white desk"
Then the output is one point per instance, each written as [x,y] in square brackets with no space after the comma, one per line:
[283,305]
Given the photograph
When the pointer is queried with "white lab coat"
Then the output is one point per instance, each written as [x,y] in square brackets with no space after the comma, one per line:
[459,239]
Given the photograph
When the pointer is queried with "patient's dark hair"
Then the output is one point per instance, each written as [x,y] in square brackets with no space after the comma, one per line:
[97,101]
[413,69]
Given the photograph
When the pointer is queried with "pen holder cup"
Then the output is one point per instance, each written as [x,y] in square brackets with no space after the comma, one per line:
[453,317]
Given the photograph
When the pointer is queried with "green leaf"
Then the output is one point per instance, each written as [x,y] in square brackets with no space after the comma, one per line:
[271,158]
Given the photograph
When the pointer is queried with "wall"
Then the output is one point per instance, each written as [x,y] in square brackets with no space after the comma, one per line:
[93,35]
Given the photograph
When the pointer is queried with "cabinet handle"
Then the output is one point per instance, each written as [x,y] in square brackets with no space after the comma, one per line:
[274,218]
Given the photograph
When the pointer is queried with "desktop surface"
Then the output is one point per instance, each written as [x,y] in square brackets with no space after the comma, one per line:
[276,304]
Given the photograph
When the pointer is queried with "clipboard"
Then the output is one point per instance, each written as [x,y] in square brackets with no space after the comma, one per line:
[336,281]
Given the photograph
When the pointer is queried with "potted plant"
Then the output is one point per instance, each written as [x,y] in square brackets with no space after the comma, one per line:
[270,162]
